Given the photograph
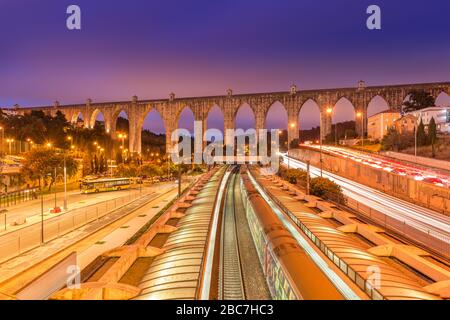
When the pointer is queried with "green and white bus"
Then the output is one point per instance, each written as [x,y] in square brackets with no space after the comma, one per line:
[107,184]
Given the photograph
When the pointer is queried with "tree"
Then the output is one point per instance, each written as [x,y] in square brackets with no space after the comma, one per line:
[432,135]
[102,164]
[325,188]
[151,170]
[393,141]
[119,158]
[39,165]
[127,170]
[421,136]
[418,99]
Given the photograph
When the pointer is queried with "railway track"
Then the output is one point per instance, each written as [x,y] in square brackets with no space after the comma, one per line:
[231,283]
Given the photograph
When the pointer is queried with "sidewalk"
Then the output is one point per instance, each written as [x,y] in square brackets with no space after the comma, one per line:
[89,241]
[31,210]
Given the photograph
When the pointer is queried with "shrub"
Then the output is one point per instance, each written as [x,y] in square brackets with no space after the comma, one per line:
[325,188]
[295,176]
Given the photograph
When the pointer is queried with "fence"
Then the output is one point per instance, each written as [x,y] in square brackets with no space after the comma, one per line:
[32,236]
[15,197]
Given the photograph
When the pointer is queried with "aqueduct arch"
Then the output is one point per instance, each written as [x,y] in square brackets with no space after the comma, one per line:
[292,100]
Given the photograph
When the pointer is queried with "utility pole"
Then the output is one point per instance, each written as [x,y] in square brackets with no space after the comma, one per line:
[415,140]
[55,188]
[65,183]
[42,211]
[307,177]
[179,180]
[321,160]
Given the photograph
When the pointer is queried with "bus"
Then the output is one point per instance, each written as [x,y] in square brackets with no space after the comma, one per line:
[107,184]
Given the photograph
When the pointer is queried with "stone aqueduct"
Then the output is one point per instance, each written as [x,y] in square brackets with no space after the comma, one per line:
[293,100]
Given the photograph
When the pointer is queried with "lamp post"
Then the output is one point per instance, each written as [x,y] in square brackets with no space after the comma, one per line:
[42,209]
[292,125]
[360,115]
[415,139]
[65,183]
[168,167]
[329,111]
[122,136]
[3,140]
[55,188]
[10,141]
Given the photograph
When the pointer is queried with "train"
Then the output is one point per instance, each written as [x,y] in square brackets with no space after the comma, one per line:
[290,272]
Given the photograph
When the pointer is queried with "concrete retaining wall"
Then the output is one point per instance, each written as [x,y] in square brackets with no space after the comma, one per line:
[418,192]
[440,164]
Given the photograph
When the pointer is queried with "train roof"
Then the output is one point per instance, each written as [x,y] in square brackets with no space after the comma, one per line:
[353,257]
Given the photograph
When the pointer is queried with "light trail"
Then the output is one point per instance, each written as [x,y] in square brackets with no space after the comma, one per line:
[425,220]
[396,167]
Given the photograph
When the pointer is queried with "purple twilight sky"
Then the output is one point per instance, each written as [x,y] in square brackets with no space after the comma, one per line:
[195,48]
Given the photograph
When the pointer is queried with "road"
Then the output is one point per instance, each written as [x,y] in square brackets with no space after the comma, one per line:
[419,173]
[88,242]
[425,220]
[75,199]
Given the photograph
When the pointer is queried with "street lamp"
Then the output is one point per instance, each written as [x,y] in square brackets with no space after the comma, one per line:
[3,140]
[360,115]
[292,125]
[330,112]
[10,141]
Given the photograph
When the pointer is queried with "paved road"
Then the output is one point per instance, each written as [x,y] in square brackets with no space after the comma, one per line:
[89,241]
[401,168]
[425,220]
[75,199]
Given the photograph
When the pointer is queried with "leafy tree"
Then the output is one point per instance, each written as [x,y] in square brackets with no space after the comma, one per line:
[325,188]
[432,135]
[151,170]
[102,166]
[418,99]
[393,141]
[127,170]
[421,136]
[294,144]
[87,165]
[350,134]
[39,165]
[294,176]
[119,158]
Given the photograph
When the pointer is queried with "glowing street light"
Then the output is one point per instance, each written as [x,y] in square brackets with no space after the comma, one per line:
[3,139]
[360,115]
[122,136]
[10,141]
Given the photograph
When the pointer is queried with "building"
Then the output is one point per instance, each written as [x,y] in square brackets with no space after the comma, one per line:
[405,124]
[380,123]
[441,116]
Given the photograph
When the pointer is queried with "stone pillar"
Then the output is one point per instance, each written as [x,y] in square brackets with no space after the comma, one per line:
[260,119]
[293,131]
[170,127]
[229,123]
[135,133]
[325,122]
[360,119]
[87,114]
[199,136]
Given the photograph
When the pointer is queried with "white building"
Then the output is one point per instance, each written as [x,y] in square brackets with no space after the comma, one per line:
[441,116]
